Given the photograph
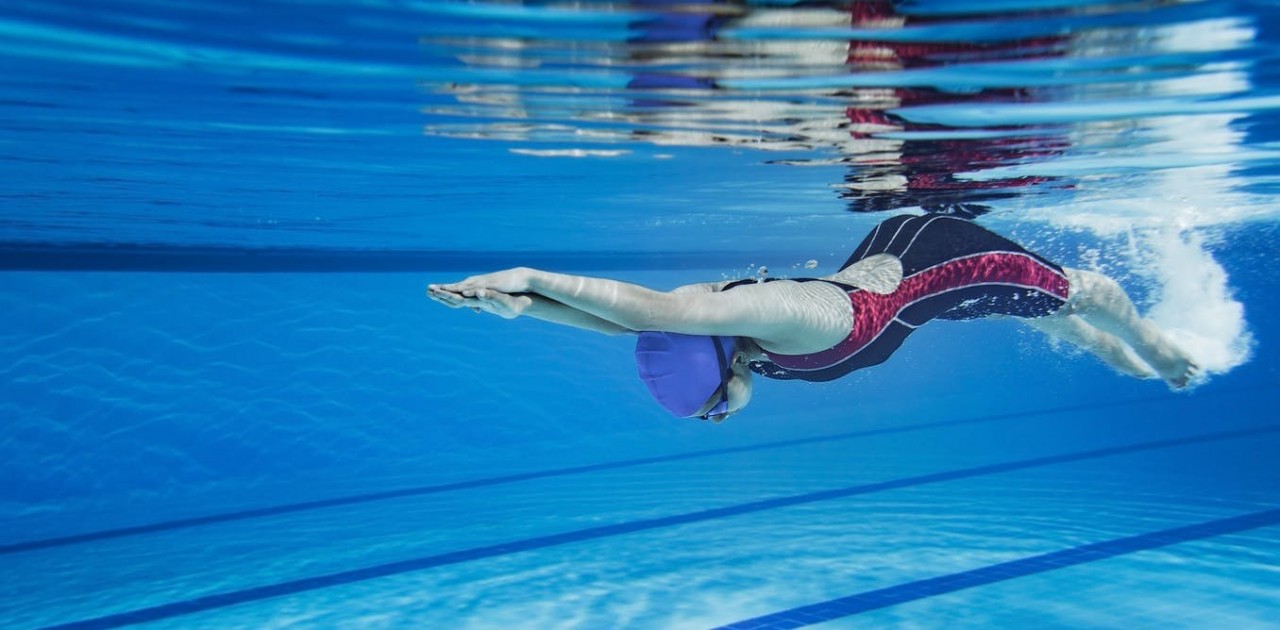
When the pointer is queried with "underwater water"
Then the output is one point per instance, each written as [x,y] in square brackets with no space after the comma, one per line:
[227,402]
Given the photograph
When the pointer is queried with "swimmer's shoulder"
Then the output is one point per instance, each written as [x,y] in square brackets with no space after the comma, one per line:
[881,273]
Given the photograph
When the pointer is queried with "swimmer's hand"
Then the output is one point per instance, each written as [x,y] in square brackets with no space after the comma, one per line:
[482,301]
[509,281]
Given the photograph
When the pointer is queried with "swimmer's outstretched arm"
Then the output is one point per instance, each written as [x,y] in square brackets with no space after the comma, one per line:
[544,308]
[785,316]
[628,306]
[527,305]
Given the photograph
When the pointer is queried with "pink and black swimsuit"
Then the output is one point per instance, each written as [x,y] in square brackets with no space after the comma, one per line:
[952,269]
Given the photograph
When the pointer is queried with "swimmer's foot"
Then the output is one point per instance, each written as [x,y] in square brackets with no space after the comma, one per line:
[1162,353]
[1176,367]
[1187,372]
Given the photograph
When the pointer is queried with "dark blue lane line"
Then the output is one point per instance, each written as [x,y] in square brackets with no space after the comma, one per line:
[17,256]
[292,587]
[399,493]
[920,589]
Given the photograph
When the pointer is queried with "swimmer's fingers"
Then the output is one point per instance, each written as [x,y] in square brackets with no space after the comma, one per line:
[449,298]
[503,305]
[506,281]
[438,294]
[460,289]
[483,300]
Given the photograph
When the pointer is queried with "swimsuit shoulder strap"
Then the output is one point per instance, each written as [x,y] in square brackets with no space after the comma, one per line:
[844,286]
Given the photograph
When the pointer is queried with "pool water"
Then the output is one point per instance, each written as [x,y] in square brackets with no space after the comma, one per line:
[226,401]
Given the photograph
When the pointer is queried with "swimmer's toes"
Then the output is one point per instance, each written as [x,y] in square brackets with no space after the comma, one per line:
[1194,373]
[1189,371]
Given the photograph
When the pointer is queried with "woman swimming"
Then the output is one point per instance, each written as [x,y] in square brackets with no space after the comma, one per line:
[698,345]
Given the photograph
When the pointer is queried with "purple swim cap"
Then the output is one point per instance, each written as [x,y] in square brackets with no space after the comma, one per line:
[682,371]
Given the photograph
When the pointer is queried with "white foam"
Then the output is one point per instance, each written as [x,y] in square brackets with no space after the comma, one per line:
[1192,298]
[1166,214]
[1194,303]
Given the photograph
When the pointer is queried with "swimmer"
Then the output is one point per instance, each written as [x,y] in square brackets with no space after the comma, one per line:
[698,345]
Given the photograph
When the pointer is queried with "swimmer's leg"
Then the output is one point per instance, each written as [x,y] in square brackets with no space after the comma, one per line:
[1103,304]
[1108,347]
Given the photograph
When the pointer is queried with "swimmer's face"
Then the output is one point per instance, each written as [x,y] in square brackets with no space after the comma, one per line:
[737,390]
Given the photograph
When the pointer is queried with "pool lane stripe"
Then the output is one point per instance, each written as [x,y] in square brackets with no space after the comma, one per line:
[293,587]
[131,257]
[921,589]
[400,493]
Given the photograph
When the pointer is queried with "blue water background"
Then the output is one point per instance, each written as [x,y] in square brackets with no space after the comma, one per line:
[144,395]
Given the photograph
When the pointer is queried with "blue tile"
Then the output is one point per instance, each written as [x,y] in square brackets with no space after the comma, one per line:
[1088,552]
[929,587]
